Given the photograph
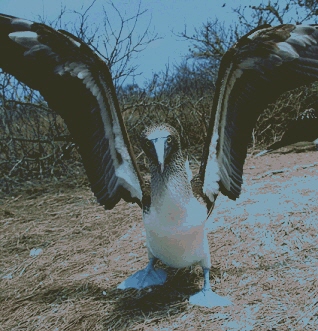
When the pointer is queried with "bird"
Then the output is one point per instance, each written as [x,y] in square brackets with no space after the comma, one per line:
[303,128]
[78,85]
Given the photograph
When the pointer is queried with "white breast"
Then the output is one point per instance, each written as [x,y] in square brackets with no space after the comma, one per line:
[176,230]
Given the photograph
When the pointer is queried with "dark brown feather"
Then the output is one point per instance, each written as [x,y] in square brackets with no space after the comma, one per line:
[253,74]
[77,84]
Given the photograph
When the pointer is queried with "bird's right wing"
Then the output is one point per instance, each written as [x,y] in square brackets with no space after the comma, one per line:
[77,84]
[261,66]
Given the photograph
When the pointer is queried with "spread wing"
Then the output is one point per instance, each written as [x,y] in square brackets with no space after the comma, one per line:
[261,66]
[77,84]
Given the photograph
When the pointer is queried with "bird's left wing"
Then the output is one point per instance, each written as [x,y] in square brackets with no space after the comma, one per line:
[77,84]
[261,66]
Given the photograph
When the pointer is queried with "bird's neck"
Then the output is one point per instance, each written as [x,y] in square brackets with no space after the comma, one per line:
[172,185]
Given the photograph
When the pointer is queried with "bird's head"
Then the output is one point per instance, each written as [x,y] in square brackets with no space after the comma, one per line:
[161,143]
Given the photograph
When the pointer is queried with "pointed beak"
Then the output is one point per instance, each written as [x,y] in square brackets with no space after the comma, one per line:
[160,150]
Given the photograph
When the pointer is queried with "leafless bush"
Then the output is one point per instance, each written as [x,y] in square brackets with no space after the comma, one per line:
[189,116]
[182,98]
[273,121]
[34,141]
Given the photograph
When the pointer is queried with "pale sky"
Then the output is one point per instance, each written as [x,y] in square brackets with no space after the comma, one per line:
[167,19]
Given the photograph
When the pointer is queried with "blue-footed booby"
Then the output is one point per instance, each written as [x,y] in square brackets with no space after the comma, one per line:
[77,84]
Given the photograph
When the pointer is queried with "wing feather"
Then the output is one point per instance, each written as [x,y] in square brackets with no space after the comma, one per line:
[77,84]
[261,66]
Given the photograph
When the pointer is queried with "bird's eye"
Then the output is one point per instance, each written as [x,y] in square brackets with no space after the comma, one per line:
[169,139]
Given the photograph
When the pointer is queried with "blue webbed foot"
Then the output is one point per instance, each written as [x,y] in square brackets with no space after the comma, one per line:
[208,298]
[144,278]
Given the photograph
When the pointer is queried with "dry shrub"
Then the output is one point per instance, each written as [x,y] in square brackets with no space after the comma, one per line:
[272,123]
[188,115]
[34,141]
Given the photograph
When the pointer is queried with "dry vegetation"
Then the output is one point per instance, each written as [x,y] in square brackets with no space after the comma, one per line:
[62,255]
[266,264]
[35,143]
[264,253]
[273,121]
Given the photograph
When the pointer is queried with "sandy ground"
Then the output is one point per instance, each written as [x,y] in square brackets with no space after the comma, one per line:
[62,257]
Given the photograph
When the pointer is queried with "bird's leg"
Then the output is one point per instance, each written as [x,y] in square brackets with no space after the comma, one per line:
[145,277]
[206,297]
